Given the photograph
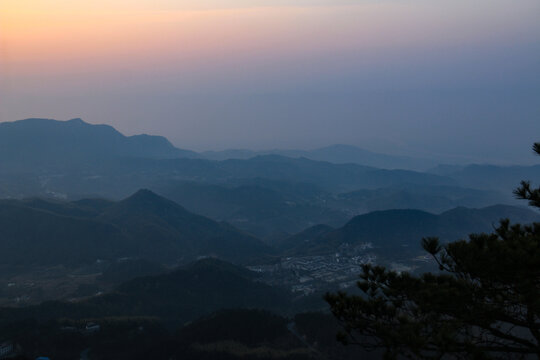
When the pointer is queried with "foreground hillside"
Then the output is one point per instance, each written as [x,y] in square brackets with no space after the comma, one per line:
[177,296]
[206,310]
[226,334]
[143,314]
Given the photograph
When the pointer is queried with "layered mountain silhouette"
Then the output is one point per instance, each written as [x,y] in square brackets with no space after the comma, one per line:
[394,230]
[262,207]
[45,142]
[492,177]
[144,225]
[270,196]
[429,198]
[339,154]
[76,158]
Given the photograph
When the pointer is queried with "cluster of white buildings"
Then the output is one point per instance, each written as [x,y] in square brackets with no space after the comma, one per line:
[307,274]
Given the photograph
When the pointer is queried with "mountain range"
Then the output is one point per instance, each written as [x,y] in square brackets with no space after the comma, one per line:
[73,159]
[265,208]
[142,238]
[41,142]
[397,231]
[148,226]
[337,154]
[270,196]
[143,225]
[46,144]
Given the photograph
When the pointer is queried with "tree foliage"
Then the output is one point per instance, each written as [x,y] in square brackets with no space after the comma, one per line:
[484,303]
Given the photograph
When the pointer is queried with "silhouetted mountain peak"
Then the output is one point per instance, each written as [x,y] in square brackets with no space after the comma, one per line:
[42,143]
[395,228]
[145,195]
[146,201]
[144,225]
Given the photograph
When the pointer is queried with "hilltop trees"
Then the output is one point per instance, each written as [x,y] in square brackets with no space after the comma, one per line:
[525,191]
[485,302]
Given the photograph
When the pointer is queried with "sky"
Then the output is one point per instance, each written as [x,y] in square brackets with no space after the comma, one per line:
[457,80]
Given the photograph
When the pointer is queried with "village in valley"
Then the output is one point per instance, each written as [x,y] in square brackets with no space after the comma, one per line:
[305,275]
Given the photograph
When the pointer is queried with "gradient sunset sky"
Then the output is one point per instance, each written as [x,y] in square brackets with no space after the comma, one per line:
[452,79]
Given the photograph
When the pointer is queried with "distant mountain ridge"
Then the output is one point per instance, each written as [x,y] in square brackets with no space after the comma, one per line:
[41,142]
[435,199]
[394,230]
[118,177]
[337,154]
[76,160]
[264,208]
[145,225]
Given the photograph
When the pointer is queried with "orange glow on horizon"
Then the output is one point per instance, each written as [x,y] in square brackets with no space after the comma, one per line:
[62,35]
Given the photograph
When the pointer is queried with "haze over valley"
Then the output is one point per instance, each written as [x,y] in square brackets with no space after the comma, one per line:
[87,209]
[264,180]
[103,225]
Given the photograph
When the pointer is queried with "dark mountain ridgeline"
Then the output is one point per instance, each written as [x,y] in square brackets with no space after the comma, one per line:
[429,198]
[114,178]
[32,236]
[76,159]
[267,209]
[45,143]
[151,218]
[144,225]
[329,176]
[270,209]
[338,154]
[395,231]
[147,226]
